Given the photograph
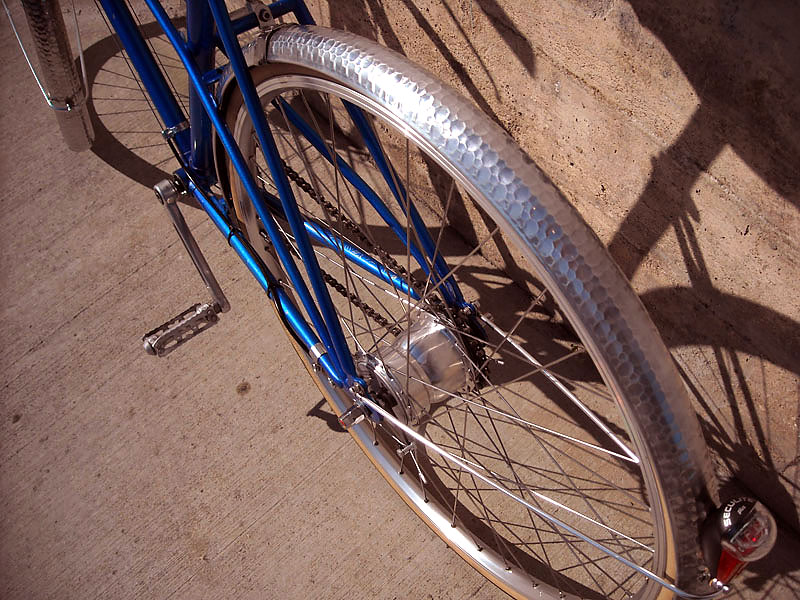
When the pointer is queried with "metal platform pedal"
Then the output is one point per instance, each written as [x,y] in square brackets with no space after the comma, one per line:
[165,338]
[194,320]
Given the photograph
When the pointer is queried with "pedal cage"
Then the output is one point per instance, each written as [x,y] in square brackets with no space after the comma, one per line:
[194,320]
[167,337]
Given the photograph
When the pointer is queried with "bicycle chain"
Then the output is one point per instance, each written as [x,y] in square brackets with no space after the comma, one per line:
[331,210]
[462,321]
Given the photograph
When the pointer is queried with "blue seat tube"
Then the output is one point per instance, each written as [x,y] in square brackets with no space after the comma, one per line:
[153,80]
[200,40]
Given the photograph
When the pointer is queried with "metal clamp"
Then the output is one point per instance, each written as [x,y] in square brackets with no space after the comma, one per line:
[316,352]
[170,132]
[263,13]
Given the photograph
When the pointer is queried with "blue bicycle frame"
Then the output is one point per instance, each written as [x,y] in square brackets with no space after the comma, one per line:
[209,27]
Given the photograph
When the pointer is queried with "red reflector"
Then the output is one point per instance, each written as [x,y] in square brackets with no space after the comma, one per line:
[728,567]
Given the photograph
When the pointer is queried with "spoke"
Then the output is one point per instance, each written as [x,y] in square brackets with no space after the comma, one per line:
[516,419]
[554,380]
[538,495]
[458,488]
[535,496]
[405,201]
[331,148]
[455,268]
[300,151]
[337,176]
[541,513]
[563,538]
[511,331]
[440,235]
[603,450]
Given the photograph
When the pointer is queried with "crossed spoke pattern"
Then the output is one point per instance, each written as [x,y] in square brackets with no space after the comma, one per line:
[533,417]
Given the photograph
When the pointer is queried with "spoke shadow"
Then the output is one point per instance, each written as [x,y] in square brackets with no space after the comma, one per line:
[108,145]
[380,28]
[741,57]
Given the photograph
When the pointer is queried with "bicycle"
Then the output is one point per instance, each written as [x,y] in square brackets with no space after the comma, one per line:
[343,176]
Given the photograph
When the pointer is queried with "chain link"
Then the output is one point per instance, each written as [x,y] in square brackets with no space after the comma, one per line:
[462,322]
[365,242]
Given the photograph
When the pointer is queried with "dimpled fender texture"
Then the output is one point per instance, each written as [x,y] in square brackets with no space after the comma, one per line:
[59,72]
[562,249]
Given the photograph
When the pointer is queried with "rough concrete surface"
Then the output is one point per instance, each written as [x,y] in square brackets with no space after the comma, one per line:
[218,472]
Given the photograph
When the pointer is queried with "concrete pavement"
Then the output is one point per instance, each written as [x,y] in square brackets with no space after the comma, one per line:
[216,472]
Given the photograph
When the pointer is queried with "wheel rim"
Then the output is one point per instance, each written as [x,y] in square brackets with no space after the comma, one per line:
[613,506]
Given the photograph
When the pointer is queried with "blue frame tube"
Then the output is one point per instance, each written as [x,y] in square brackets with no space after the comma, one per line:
[196,79]
[335,341]
[335,243]
[267,282]
[449,289]
[195,146]
[153,80]
[307,132]
[200,41]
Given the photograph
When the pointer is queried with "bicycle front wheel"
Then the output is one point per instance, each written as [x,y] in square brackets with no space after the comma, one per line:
[532,416]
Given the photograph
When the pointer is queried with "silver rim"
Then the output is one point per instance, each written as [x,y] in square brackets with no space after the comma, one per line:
[605,499]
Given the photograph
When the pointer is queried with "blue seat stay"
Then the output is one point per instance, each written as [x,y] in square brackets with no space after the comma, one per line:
[328,327]
[449,288]
[354,178]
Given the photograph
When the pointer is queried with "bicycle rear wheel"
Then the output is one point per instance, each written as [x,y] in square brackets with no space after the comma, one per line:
[533,440]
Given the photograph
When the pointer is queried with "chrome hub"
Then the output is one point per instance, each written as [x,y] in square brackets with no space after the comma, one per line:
[426,359]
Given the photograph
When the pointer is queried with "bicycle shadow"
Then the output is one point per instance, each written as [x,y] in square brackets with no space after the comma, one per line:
[380,28]
[118,111]
[741,58]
